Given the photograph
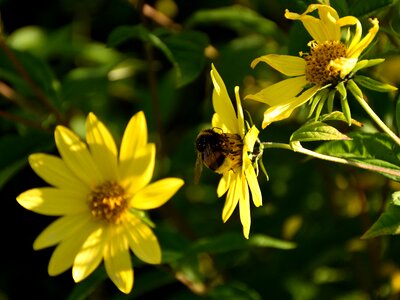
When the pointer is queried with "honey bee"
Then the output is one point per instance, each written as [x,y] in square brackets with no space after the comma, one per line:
[218,151]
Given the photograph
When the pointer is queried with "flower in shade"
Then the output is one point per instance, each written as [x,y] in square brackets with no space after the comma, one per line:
[100,196]
[240,179]
[317,75]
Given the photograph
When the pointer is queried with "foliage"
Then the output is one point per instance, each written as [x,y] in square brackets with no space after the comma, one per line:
[329,223]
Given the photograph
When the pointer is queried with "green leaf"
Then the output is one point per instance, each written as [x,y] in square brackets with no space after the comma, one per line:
[235,241]
[234,291]
[187,48]
[362,8]
[184,50]
[387,223]
[338,116]
[236,17]
[375,149]
[374,85]
[398,114]
[366,63]
[317,131]
[39,74]
[13,158]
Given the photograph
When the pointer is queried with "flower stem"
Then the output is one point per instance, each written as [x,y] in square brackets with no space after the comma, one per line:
[301,149]
[358,95]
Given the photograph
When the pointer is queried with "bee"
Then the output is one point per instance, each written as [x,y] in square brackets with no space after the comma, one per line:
[218,151]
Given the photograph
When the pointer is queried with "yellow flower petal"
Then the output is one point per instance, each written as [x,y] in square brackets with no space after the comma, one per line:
[134,138]
[286,64]
[53,170]
[156,194]
[322,29]
[345,65]
[280,92]
[136,172]
[222,103]
[91,254]
[224,183]
[251,138]
[252,182]
[216,122]
[64,254]
[356,49]
[61,229]
[349,21]
[232,198]
[53,202]
[142,240]
[117,261]
[102,147]
[283,111]
[244,208]
[240,115]
[77,156]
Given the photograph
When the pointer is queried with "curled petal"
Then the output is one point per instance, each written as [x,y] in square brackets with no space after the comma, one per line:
[286,64]
[280,92]
[284,110]
[354,51]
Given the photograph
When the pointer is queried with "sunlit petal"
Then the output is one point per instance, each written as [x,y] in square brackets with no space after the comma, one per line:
[136,172]
[283,111]
[222,103]
[251,138]
[64,254]
[117,261]
[244,208]
[134,138]
[61,229]
[224,183]
[252,182]
[216,122]
[156,194]
[280,92]
[53,170]
[232,197]
[240,115]
[286,64]
[90,255]
[53,202]
[142,240]
[356,50]
[76,156]
[102,147]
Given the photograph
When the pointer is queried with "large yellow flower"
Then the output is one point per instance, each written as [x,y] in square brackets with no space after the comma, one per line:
[317,74]
[237,180]
[100,196]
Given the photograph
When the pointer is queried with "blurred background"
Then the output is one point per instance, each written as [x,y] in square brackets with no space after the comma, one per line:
[61,59]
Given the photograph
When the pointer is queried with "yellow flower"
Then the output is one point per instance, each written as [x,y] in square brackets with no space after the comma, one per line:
[319,73]
[236,181]
[99,196]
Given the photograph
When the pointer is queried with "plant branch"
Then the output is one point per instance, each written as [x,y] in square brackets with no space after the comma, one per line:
[301,149]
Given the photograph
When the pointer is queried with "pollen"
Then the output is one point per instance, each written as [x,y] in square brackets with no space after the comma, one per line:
[319,69]
[107,202]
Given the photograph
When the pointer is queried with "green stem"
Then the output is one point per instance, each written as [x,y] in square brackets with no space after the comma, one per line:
[301,149]
[358,95]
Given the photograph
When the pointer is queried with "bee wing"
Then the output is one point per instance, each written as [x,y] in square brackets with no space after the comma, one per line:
[198,168]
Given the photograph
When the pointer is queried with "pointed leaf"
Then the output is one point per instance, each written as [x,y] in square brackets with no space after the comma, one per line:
[317,131]
[375,149]
[374,85]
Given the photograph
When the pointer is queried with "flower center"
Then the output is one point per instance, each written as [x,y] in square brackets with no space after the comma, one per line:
[319,69]
[108,202]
